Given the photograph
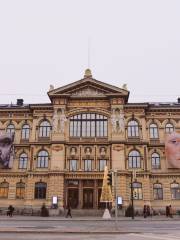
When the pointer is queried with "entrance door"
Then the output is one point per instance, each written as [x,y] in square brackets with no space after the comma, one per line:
[73,197]
[88,198]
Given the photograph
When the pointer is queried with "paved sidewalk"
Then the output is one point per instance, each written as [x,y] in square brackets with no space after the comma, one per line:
[87,218]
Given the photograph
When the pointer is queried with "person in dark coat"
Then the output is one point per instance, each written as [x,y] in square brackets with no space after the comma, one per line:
[10,211]
[145,211]
[167,211]
[68,212]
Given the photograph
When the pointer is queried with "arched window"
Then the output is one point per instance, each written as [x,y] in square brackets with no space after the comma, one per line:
[169,128]
[133,129]
[175,191]
[153,131]
[137,191]
[88,125]
[20,190]
[155,160]
[10,129]
[4,188]
[25,131]
[40,190]
[44,129]
[42,159]
[134,159]
[158,191]
[23,158]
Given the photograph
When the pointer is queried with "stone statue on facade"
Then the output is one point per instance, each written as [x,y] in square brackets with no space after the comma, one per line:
[121,122]
[59,119]
[55,122]
[62,120]
[117,121]
[51,87]
[113,121]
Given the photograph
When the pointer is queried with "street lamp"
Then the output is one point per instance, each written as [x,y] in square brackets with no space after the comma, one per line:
[132,197]
[133,176]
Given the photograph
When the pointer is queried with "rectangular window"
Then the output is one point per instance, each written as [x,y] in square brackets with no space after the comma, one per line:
[88,165]
[158,193]
[3,192]
[102,164]
[175,192]
[73,165]
[20,192]
[137,193]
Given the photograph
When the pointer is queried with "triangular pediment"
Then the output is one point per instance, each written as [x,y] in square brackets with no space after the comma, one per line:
[88,87]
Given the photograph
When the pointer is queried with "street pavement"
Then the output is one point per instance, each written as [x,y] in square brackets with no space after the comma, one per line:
[89,228]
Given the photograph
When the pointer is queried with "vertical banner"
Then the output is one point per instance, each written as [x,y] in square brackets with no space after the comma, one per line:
[172,149]
[6,150]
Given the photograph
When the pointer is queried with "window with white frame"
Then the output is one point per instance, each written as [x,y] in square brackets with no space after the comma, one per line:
[137,191]
[133,129]
[88,165]
[155,161]
[44,129]
[153,131]
[88,125]
[10,129]
[175,191]
[102,164]
[169,128]
[23,159]
[158,191]
[25,132]
[134,159]
[42,159]
[73,165]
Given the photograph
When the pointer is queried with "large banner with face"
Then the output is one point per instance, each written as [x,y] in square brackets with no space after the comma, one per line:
[6,150]
[172,149]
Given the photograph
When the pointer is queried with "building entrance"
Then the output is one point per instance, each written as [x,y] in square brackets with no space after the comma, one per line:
[73,197]
[88,198]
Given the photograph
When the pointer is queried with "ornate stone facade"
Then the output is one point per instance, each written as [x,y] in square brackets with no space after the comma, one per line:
[61,148]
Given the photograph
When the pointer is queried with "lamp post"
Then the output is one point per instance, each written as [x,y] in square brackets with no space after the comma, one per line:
[132,197]
[115,193]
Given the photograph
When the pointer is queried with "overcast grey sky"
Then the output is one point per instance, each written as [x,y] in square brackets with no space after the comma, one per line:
[45,42]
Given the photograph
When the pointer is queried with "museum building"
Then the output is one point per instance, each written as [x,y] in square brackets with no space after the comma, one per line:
[62,147]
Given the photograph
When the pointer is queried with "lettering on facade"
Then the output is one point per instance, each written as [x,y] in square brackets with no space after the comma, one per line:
[88,92]
[88,104]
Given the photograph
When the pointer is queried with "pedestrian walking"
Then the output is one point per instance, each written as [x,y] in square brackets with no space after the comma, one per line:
[167,211]
[170,211]
[151,211]
[68,212]
[145,211]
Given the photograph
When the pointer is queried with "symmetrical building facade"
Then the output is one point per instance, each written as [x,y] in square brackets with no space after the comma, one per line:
[61,148]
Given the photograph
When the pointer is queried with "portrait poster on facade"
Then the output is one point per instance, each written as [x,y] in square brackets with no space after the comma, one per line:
[172,149]
[6,150]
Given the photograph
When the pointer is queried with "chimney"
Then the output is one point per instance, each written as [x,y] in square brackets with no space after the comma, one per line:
[178,100]
[20,102]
